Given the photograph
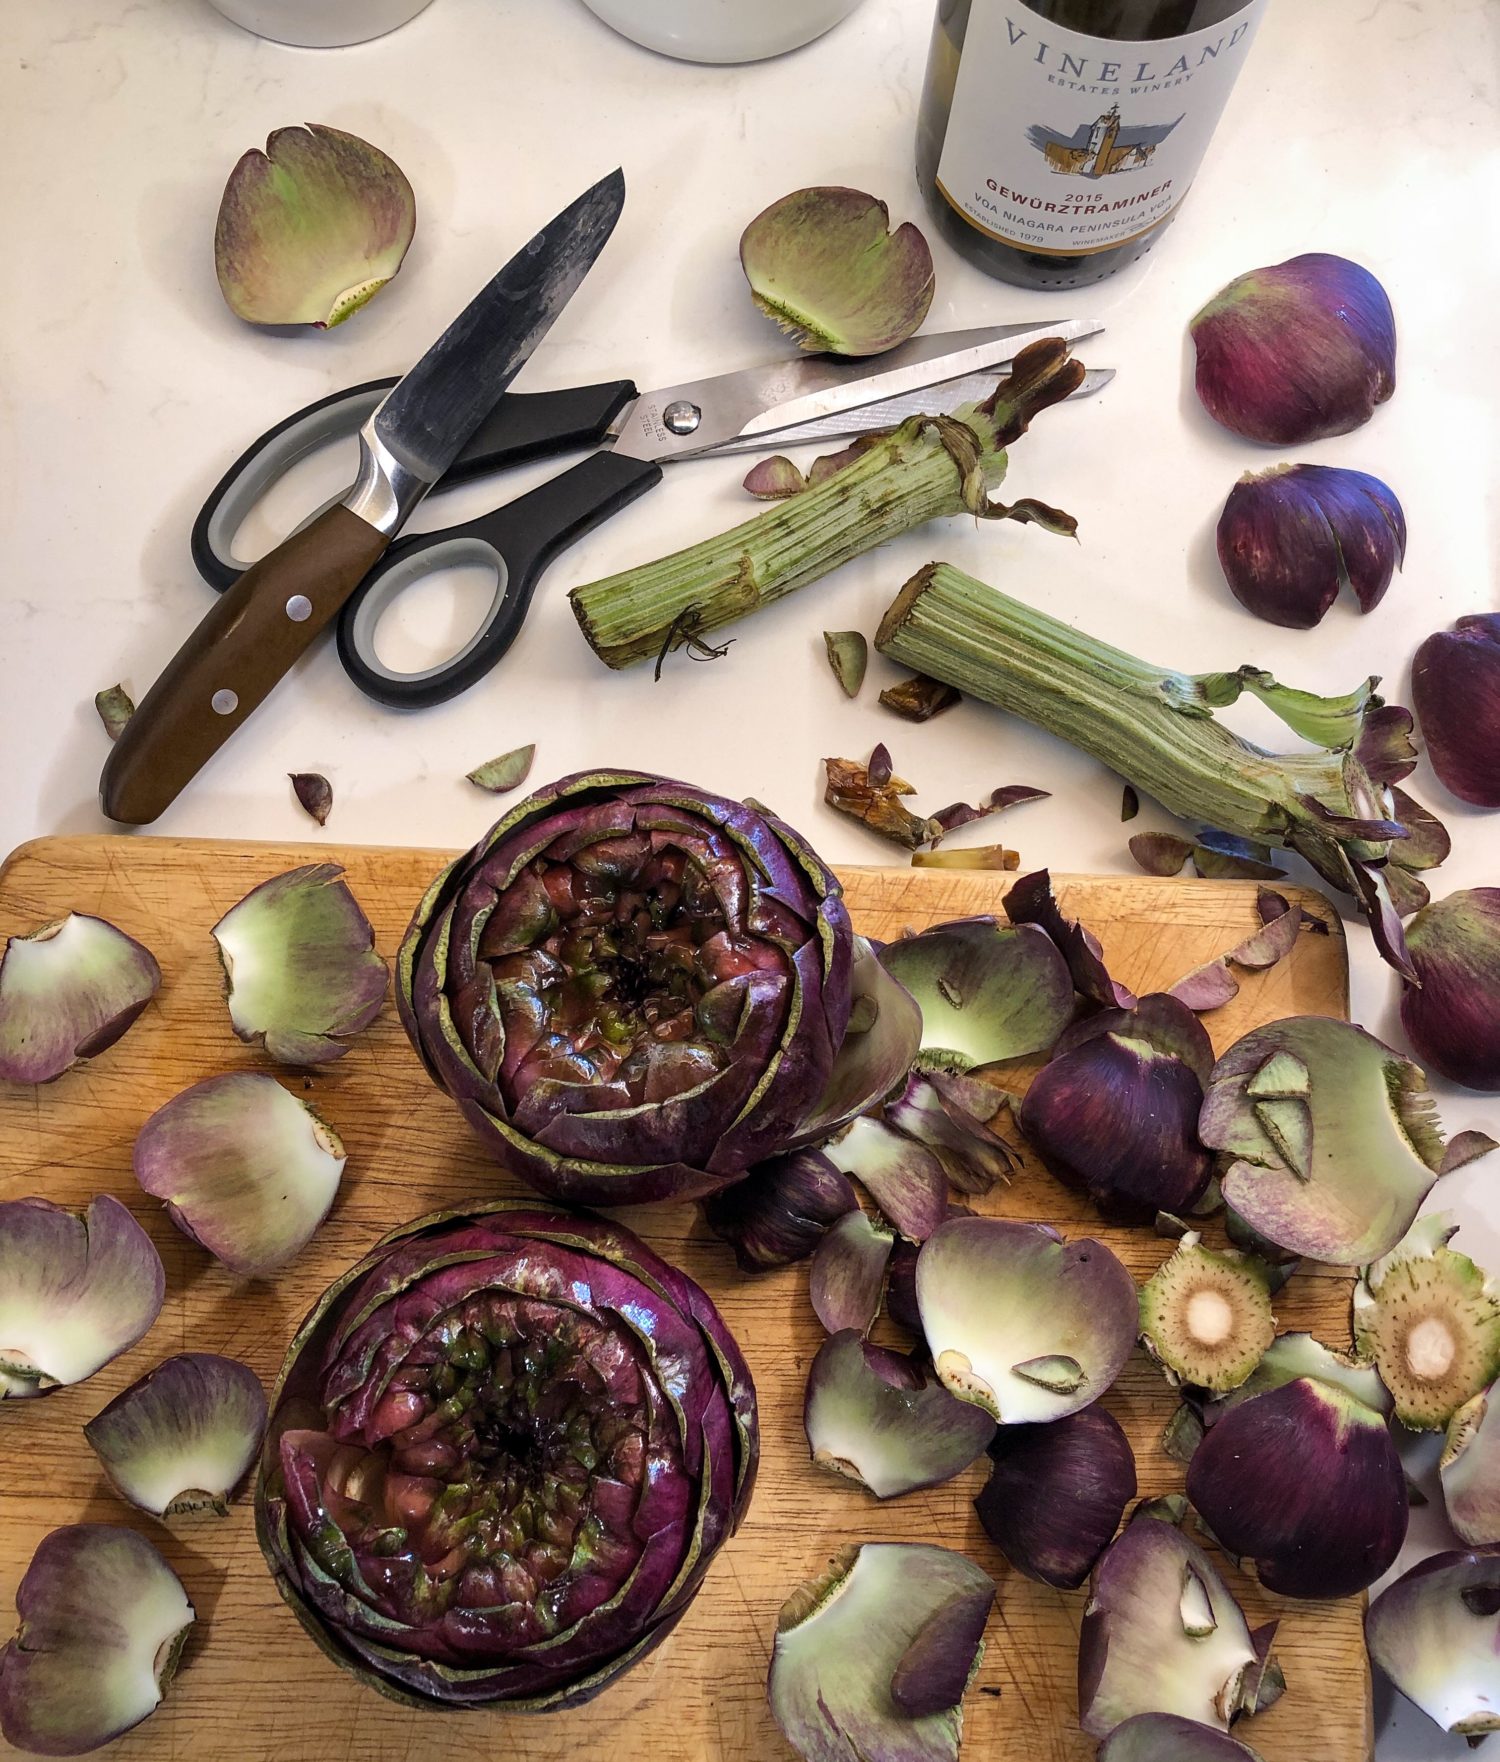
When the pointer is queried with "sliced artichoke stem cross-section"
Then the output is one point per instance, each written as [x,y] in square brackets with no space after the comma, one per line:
[1206,1316]
[1430,1320]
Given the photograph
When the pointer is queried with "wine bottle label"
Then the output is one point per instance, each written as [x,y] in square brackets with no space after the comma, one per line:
[1064,144]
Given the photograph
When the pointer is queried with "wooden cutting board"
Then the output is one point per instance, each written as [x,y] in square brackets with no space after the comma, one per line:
[253,1688]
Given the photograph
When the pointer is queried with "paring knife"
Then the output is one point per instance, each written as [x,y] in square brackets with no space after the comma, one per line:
[251,637]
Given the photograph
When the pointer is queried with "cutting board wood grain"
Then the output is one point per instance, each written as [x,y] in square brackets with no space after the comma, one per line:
[253,1688]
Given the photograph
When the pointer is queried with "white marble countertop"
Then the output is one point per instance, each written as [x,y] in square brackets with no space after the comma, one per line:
[1361,127]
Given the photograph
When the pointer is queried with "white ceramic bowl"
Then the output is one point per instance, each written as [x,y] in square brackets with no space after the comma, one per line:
[722,30]
[320,24]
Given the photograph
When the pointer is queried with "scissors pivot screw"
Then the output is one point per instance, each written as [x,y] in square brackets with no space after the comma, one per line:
[681,417]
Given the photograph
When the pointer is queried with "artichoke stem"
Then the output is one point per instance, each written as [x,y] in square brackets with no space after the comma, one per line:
[927,467]
[1146,723]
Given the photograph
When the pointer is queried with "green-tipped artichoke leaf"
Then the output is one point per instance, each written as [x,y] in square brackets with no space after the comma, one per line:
[848,655]
[986,991]
[312,228]
[870,1416]
[880,1622]
[68,991]
[244,1167]
[1022,1325]
[300,965]
[1435,1633]
[1283,1074]
[115,707]
[884,1033]
[1162,1633]
[825,265]
[1470,1470]
[906,1179]
[1291,1357]
[184,1436]
[74,1292]
[1430,1320]
[1337,1175]
[103,1620]
[508,771]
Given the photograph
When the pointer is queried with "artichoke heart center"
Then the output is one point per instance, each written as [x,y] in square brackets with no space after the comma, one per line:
[626,967]
[502,1452]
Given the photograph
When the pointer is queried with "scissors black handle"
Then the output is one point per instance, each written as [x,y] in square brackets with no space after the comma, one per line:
[523,425]
[517,542]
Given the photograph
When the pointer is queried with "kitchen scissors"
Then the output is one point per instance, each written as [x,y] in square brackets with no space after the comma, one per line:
[808,398]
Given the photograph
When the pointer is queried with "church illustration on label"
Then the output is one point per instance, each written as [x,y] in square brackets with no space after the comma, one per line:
[1101,147]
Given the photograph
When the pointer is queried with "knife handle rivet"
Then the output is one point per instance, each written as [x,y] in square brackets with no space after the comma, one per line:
[299,608]
[681,417]
[224,702]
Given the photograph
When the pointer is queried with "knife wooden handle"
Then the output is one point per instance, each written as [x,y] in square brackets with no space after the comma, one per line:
[246,642]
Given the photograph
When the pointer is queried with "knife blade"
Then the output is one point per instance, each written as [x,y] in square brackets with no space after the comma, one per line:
[249,640]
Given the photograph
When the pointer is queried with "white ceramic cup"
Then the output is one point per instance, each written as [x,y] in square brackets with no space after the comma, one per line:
[320,24]
[722,30]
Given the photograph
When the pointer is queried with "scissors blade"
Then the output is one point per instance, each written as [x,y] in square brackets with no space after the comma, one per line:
[702,415]
[430,413]
[930,400]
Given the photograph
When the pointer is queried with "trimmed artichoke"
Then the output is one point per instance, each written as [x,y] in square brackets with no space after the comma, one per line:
[635,990]
[503,1450]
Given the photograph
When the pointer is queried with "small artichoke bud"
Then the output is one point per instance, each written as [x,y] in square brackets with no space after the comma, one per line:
[1296,352]
[1455,684]
[779,1212]
[1291,536]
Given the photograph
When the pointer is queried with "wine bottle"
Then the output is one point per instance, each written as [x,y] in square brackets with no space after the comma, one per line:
[1057,138]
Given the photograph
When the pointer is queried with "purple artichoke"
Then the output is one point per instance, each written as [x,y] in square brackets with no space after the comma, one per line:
[1455,688]
[503,1450]
[1296,352]
[635,990]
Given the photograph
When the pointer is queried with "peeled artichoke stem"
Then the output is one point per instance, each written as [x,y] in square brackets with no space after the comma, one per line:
[929,466]
[1154,726]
